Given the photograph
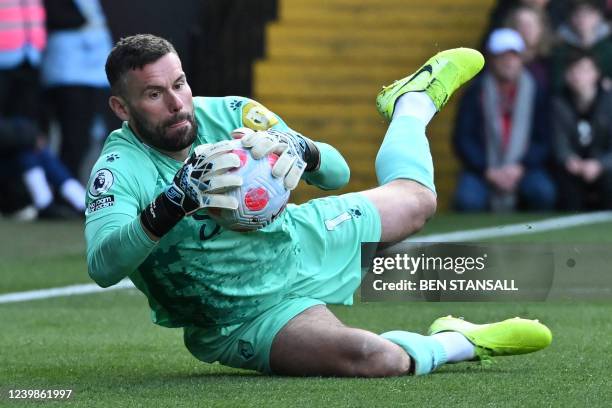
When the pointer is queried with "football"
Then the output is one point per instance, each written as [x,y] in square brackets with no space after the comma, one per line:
[261,198]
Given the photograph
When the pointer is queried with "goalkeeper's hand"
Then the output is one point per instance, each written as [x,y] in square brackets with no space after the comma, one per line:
[296,152]
[201,183]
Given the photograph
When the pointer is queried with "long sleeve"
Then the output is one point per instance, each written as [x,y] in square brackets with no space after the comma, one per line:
[603,137]
[333,173]
[116,246]
[606,157]
[468,137]
[538,153]
[563,126]
[117,192]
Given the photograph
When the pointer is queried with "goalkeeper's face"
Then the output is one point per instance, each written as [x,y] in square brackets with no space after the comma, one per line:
[159,104]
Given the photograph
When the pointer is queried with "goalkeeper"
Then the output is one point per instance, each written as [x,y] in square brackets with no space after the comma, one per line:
[257,300]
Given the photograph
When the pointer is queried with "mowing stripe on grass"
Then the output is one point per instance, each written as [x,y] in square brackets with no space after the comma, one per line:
[458,236]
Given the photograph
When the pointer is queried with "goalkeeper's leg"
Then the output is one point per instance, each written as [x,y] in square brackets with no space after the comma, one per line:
[316,343]
[406,197]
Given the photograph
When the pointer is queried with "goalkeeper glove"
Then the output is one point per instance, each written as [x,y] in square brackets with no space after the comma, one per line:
[200,183]
[296,152]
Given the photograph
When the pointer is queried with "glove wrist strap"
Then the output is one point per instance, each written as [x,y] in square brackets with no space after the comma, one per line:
[312,156]
[161,215]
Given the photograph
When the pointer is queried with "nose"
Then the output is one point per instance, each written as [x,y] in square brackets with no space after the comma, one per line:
[175,104]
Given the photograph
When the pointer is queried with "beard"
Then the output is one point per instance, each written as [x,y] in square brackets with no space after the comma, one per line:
[158,136]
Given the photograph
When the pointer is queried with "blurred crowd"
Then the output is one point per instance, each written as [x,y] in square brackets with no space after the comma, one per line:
[52,82]
[534,129]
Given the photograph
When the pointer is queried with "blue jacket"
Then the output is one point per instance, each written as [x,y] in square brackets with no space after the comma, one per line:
[77,56]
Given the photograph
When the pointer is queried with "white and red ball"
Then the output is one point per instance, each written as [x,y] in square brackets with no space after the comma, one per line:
[261,198]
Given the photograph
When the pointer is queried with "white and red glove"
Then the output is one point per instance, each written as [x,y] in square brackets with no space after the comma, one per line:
[296,152]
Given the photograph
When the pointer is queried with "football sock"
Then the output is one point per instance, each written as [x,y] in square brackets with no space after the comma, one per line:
[457,347]
[38,187]
[416,104]
[404,153]
[74,193]
[426,353]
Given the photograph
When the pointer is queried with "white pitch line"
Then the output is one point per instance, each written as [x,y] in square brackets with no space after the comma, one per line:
[458,236]
[61,291]
[528,227]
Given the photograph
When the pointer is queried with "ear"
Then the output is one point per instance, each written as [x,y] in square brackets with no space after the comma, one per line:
[118,105]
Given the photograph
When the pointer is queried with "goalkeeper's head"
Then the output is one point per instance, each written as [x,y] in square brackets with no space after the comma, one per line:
[150,92]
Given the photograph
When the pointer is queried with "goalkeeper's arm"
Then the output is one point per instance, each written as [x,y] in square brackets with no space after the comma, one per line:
[300,158]
[117,243]
[333,171]
[325,166]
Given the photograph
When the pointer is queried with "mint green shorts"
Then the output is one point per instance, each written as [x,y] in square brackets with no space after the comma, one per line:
[330,231]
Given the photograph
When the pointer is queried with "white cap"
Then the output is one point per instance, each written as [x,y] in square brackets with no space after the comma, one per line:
[504,40]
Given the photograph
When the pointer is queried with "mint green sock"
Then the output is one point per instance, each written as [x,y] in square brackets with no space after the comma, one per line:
[426,353]
[404,153]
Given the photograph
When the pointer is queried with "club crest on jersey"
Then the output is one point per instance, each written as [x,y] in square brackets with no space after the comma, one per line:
[257,117]
[102,182]
[235,104]
[112,157]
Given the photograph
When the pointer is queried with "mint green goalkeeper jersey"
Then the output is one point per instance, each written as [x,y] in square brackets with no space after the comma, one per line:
[198,274]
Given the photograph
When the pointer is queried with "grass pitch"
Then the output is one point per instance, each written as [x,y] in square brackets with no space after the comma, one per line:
[104,348]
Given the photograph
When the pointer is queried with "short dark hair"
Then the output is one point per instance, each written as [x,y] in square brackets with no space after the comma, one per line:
[590,4]
[134,52]
[577,54]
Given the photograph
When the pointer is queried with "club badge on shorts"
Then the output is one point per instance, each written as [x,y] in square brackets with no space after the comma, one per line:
[351,213]
[102,182]
[257,117]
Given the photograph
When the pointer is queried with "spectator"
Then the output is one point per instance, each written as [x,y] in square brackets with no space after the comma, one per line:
[22,152]
[22,39]
[73,75]
[585,29]
[500,135]
[23,155]
[583,137]
[554,11]
[532,24]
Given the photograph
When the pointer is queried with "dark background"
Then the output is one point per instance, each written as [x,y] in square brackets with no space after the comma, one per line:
[217,40]
[177,21]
